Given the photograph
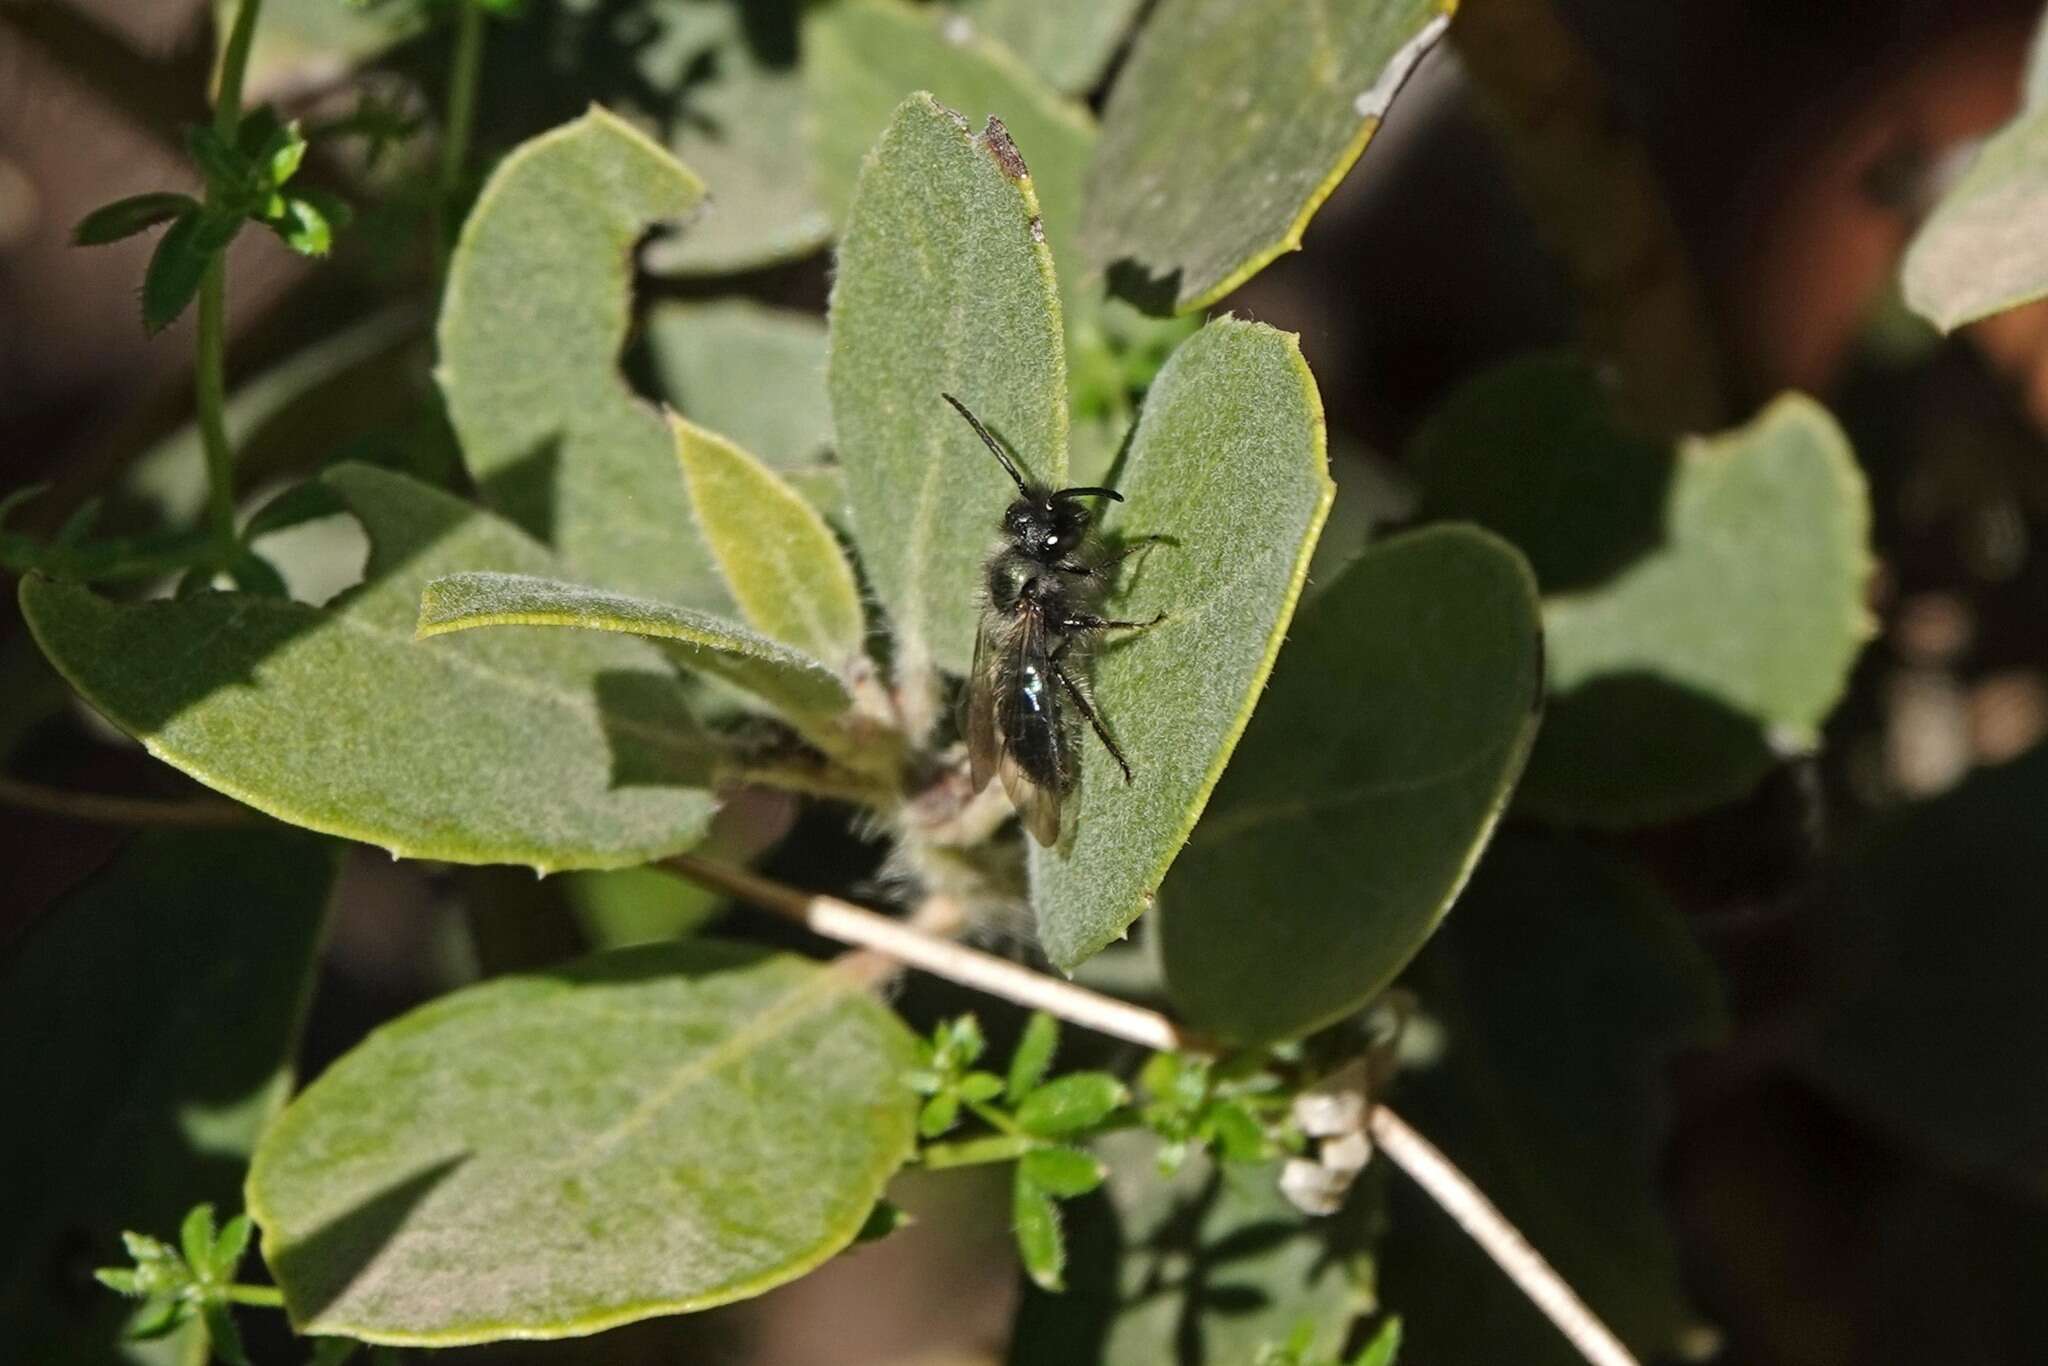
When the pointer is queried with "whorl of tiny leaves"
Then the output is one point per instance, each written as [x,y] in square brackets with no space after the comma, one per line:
[1398,720]
[780,561]
[1228,464]
[780,675]
[535,313]
[335,719]
[945,286]
[645,1132]
[1979,252]
[1228,128]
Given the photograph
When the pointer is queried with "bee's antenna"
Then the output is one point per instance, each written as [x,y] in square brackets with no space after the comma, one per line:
[1091,492]
[990,442]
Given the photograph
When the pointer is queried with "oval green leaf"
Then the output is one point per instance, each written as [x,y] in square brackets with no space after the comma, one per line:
[786,678]
[1228,464]
[945,286]
[335,719]
[1228,128]
[534,316]
[780,561]
[645,1132]
[1370,780]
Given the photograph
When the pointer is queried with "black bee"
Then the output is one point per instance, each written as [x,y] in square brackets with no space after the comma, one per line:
[1043,590]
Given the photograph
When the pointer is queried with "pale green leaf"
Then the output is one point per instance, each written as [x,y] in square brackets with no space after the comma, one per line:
[787,678]
[1553,1108]
[781,563]
[1228,464]
[1070,1104]
[1228,128]
[335,718]
[298,40]
[1041,1039]
[1213,1257]
[1385,1347]
[165,997]
[1367,785]
[531,326]
[645,1132]
[1039,1243]
[1068,42]
[1061,1172]
[944,286]
[753,374]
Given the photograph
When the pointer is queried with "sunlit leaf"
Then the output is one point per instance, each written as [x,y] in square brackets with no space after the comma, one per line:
[1037,1222]
[1367,785]
[645,1132]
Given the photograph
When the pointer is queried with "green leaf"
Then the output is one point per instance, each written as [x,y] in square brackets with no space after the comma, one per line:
[531,326]
[1398,720]
[645,1132]
[126,217]
[1041,1039]
[1385,1347]
[780,561]
[1213,1257]
[195,1239]
[1677,681]
[1553,1109]
[939,1114]
[336,719]
[175,269]
[944,286]
[1061,1172]
[980,1086]
[734,71]
[165,995]
[1228,463]
[754,374]
[1230,124]
[304,226]
[1039,1242]
[221,1333]
[800,686]
[1929,1002]
[229,1248]
[1068,42]
[1070,1104]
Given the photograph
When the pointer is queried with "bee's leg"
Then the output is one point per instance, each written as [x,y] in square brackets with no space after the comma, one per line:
[1088,710]
[1082,622]
[1101,571]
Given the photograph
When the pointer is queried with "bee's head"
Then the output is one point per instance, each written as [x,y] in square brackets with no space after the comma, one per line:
[1048,526]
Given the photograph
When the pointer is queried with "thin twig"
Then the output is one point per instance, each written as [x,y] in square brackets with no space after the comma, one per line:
[1424,1163]
[197,814]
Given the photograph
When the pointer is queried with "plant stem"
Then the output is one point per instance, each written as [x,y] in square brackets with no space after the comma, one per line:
[1415,1155]
[210,365]
[975,1152]
[460,118]
[257,1296]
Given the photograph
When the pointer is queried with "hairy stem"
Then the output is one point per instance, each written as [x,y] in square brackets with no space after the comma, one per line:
[1415,1155]
[256,1296]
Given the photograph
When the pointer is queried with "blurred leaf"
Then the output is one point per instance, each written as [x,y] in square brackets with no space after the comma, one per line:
[1061,1172]
[336,719]
[1037,1221]
[756,375]
[126,217]
[944,286]
[1555,1110]
[1035,1049]
[1930,1004]
[787,678]
[628,906]
[165,998]
[1205,1267]
[535,314]
[737,121]
[175,269]
[1703,607]
[645,1132]
[1068,42]
[1070,1104]
[325,37]
[1228,127]
[1367,785]
[1385,1347]
[1228,464]
[781,563]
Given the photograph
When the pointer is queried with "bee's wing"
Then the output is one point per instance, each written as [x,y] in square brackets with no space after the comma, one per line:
[983,743]
[1037,807]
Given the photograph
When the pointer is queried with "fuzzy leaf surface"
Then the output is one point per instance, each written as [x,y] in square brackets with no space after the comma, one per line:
[775,672]
[1367,785]
[781,563]
[336,719]
[644,1132]
[1228,462]
[753,374]
[531,326]
[165,995]
[1229,126]
[944,286]
[1556,1111]
[1068,42]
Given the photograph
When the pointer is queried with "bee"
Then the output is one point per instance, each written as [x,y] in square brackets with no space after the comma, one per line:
[1043,589]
